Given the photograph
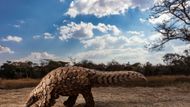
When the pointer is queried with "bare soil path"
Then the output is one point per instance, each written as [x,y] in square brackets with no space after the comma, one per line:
[168,96]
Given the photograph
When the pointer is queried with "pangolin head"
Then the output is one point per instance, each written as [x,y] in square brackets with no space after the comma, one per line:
[32,98]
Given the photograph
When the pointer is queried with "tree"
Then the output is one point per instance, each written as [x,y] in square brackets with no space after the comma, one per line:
[178,64]
[86,63]
[114,66]
[173,59]
[178,27]
[8,70]
[148,69]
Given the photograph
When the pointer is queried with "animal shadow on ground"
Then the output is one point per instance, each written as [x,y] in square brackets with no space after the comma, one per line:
[106,104]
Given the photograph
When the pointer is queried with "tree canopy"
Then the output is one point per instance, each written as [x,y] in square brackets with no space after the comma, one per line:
[178,25]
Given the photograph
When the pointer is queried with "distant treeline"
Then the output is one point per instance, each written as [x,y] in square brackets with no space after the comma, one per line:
[175,64]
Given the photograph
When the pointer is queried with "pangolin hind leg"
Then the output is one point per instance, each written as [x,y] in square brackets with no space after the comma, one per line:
[87,94]
[71,101]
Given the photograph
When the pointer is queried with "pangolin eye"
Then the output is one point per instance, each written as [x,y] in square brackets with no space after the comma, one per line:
[32,97]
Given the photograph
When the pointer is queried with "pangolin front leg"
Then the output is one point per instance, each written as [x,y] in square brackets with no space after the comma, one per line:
[48,99]
[46,102]
[71,101]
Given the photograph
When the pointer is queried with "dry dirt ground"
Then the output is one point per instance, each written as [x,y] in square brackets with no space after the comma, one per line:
[168,96]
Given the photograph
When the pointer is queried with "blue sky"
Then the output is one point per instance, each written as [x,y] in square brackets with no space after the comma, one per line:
[97,30]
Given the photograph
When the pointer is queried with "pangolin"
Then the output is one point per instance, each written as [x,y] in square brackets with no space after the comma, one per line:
[72,81]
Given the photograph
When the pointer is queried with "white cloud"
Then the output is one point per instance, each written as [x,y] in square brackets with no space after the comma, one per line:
[77,31]
[142,20]
[179,48]
[102,8]
[85,30]
[37,56]
[155,36]
[48,36]
[36,37]
[45,36]
[98,8]
[105,41]
[127,48]
[4,49]
[124,55]
[131,54]
[13,38]
[107,28]
[188,3]
[142,4]
[176,46]
[158,1]
[93,54]
[136,41]
[61,1]
[135,33]
[16,26]
[161,19]
[110,41]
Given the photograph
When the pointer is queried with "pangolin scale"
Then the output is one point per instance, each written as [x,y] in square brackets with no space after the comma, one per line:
[72,81]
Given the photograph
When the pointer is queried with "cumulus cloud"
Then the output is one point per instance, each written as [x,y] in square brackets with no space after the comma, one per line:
[85,30]
[13,38]
[155,36]
[48,36]
[161,19]
[123,47]
[110,41]
[126,48]
[105,41]
[37,56]
[122,55]
[102,8]
[4,49]
[77,31]
[107,28]
[179,48]
[130,54]
[98,8]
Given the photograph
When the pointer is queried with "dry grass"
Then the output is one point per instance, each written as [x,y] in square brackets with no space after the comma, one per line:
[18,83]
[153,81]
[168,96]
[156,81]
[175,92]
[169,78]
[160,81]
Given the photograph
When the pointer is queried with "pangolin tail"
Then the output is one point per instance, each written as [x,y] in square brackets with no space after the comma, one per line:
[115,78]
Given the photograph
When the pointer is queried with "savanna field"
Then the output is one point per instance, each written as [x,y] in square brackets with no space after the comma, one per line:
[160,91]
[150,37]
